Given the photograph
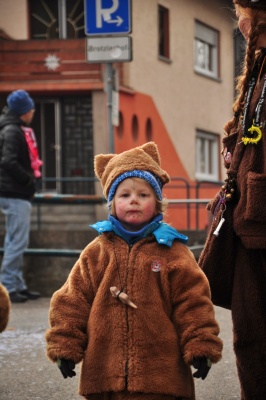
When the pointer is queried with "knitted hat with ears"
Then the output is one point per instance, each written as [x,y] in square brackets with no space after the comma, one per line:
[258,4]
[142,162]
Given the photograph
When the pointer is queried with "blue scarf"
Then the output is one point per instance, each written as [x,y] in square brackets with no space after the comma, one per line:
[164,233]
[133,237]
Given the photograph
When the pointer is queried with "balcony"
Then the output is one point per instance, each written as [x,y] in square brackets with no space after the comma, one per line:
[48,65]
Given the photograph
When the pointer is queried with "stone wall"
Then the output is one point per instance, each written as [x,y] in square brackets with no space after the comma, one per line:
[46,274]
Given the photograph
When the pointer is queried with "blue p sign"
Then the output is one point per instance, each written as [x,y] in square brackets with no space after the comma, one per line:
[103,17]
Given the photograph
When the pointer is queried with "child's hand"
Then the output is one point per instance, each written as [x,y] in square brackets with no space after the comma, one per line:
[203,365]
[66,367]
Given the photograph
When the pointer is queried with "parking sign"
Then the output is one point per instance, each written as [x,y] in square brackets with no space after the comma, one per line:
[107,17]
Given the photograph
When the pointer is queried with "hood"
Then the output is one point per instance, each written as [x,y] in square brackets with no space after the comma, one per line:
[9,117]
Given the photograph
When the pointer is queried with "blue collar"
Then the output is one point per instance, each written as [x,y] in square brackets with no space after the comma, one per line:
[164,233]
[132,237]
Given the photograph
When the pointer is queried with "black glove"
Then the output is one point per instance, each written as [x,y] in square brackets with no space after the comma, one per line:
[203,365]
[66,367]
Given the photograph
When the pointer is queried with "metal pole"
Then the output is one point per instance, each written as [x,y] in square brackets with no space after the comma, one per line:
[62,16]
[109,90]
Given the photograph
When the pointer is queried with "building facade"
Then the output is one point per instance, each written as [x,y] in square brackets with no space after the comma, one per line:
[177,90]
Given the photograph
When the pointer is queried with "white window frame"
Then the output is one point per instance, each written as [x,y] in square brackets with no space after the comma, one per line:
[207,152]
[206,41]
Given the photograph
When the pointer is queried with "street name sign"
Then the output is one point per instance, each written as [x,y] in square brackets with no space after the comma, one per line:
[107,17]
[109,49]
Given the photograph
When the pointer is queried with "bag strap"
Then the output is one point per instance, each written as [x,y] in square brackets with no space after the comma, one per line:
[229,188]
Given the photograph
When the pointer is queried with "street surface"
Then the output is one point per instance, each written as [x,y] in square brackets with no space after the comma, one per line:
[26,373]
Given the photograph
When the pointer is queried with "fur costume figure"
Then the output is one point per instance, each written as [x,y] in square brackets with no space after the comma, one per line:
[136,307]
[244,145]
[4,308]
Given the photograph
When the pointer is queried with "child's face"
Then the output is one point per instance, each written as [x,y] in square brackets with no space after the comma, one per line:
[135,203]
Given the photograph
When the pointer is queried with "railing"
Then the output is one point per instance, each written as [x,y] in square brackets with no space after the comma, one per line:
[186,195]
[74,199]
[192,196]
[184,189]
[22,64]
[50,252]
[76,252]
[200,186]
[185,186]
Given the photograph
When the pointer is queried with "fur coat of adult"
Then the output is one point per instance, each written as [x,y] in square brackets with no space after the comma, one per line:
[4,308]
[249,218]
[249,265]
[148,349]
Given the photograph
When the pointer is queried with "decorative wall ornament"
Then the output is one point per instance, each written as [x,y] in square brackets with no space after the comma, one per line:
[52,62]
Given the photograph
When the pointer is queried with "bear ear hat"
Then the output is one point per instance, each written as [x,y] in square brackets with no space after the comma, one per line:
[100,163]
[108,167]
[102,160]
[152,150]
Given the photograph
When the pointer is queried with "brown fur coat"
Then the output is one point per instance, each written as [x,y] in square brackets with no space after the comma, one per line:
[250,212]
[4,308]
[148,349]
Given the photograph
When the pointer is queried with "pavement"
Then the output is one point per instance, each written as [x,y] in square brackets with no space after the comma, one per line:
[27,374]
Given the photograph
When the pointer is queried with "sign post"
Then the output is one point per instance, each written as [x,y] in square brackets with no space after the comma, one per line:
[109,85]
[106,21]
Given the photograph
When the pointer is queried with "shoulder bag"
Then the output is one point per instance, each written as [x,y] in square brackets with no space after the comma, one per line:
[217,258]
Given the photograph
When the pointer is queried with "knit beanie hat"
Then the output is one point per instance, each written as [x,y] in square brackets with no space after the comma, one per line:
[142,162]
[251,3]
[20,102]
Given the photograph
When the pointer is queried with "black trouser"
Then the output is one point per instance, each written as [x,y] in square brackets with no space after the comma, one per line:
[249,321]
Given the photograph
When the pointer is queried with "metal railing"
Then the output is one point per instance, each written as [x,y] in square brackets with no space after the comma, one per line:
[190,190]
[200,185]
[184,188]
[178,183]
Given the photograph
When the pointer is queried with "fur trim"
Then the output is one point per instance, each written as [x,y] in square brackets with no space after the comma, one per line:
[4,307]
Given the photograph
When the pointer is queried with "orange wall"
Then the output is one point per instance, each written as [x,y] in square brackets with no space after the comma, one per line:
[143,107]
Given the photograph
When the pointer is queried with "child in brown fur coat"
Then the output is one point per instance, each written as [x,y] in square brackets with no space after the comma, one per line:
[136,307]
[4,308]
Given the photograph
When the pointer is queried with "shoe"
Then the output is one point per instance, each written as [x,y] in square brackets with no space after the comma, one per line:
[15,297]
[29,295]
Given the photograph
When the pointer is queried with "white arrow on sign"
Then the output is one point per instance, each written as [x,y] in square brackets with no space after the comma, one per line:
[105,13]
[117,21]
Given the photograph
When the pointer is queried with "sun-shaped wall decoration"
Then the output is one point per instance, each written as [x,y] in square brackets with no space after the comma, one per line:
[52,62]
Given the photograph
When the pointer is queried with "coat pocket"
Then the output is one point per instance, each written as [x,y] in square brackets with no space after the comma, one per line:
[256,201]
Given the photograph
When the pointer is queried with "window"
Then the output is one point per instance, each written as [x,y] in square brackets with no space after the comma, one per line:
[53,19]
[207,164]
[206,50]
[120,128]
[148,130]
[135,128]
[163,20]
